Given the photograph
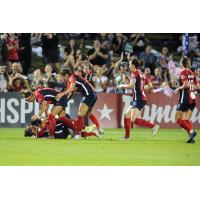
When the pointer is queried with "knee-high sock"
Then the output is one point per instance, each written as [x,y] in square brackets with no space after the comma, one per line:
[69,123]
[87,134]
[80,123]
[189,123]
[143,122]
[127,126]
[52,124]
[183,124]
[94,120]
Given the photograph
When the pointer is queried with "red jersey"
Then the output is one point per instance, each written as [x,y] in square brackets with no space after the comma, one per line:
[187,95]
[83,86]
[139,80]
[13,53]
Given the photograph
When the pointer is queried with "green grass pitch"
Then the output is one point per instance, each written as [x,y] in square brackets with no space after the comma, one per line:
[166,148]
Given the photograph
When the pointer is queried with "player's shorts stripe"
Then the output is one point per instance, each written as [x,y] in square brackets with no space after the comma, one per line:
[83,87]
[59,124]
[49,95]
[60,131]
[182,96]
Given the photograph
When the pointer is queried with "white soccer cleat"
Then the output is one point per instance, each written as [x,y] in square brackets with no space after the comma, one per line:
[155,130]
[77,137]
[97,134]
[101,131]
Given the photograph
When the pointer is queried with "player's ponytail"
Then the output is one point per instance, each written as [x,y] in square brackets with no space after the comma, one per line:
[136,63]
[184,61]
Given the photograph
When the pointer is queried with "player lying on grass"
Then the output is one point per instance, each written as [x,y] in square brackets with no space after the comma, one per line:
[39,128]
[45,97]
[186,104]
[89,98]
[139,83]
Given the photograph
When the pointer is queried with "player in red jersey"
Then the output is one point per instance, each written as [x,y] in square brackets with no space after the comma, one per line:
[186,104]
[89,97]
[40,128]
[45,97]
[139,83]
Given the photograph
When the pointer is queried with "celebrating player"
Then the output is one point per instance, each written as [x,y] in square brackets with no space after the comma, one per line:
[39,128]
[45,97]
[139,83]
[186,103]
[89,98]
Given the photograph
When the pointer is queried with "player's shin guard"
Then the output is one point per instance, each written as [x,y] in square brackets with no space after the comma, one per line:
[143,122]
[69,123]
[183,124]
[80,123]
[94,120]
[52,124]
[127,126]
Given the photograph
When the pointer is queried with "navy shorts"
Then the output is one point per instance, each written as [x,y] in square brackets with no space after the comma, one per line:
[62,102]
[89,100]
[138,104]
[185,107]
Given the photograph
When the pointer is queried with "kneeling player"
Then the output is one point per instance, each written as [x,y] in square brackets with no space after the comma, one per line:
[139,83]
[45,97]
[39,128]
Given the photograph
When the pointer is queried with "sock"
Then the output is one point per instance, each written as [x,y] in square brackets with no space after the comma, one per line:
[94,120]
[184,124]
[80,123]
[87,134]
[189,123]
[69,123]
[52,124]
[127,126]
[143,122]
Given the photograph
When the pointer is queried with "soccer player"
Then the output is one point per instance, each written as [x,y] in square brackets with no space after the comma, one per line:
[139,83]
[39,128]
[45,97]
[186,104]
[89,97]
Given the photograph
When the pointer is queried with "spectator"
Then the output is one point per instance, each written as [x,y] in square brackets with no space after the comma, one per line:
[60,83]
[25,51]
[71,53]
[50,50]
[149,59]
[49,77]
[12,48]
[139,41]
[118,43]
[97,55]
[37,80]
[147,73]
[163,60]
[157,79]
[16,68]
[4,79]
[100,81]
[87,71]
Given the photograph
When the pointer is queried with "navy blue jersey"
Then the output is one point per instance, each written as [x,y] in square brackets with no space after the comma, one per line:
[46,94]
[83,86]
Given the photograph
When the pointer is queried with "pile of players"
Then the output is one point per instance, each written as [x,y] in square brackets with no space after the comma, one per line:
[138,83]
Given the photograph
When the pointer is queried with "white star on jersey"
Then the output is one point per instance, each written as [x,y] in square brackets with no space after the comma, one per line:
[105,112]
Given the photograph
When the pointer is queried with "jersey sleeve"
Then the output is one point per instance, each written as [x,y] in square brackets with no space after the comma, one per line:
[183,76]
[39,97]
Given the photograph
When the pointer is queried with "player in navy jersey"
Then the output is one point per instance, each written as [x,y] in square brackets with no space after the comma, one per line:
[186,104]
[39,128]
[89,97]
[138,83]
[45,97]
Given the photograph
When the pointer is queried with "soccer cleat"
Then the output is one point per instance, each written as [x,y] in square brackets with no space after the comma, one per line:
[192,141]
[90,128]
[191,137]
[101,131]
[155,130]
[77,137]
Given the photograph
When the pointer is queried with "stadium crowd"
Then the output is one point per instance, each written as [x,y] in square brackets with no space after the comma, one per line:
[103,59]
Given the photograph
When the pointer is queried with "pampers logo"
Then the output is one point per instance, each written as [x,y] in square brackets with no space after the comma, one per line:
[158,114]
